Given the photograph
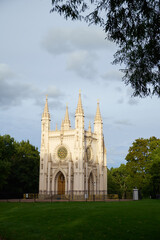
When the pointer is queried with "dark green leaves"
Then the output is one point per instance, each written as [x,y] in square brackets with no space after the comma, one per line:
[134,26]
[143,160]
[19,166]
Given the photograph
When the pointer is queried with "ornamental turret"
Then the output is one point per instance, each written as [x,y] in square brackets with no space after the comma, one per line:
[79,143]
[44,154]
[98,124]
[79,116]
[66,123]
[79,110]
[98,129]
[45,125]
[89,128]
[46,115]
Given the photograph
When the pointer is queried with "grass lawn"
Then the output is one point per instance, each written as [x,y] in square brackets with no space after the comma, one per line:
[80,220]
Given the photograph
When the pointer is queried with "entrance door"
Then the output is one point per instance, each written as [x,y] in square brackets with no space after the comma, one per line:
[61,184]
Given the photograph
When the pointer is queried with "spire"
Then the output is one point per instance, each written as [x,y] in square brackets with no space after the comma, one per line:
[79,109]
[89,127]
[66,119]
[46,110]
[62,125]
[56,127]
[98,117]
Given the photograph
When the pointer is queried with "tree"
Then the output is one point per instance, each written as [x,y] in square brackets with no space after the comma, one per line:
[141,162]
[7,153]
[4,173]
[24,175]
[134,26]
[112,187]
[118,181]
[155,172]
[19,166]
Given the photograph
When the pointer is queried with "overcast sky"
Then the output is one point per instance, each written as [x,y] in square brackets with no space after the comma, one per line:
[41,53]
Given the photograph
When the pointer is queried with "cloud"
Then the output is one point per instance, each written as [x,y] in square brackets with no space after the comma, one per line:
[5,72]
[89,38]
[57,42]
[116,155]
[120,101]
[110,161]
[129,91]
[123,122]
[118,89]
[90,116]
[126,96]
[54,97]
[13,92]
[55,104]
[53,92]
[80,46]
[62,41]
[132,100]
[82,63]
[113,75]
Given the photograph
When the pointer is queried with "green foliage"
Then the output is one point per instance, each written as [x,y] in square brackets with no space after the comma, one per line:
[120,176]
[118,182]
[155,172]
[80,220]
[19,166]
[142,160]
[4,172]
[113,188]
[7,154]
[142,170]
[134,27]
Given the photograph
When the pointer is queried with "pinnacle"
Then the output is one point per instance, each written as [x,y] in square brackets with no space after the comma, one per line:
[79,109]
[62,125]
[66,119]
[89,127]
[46,109]
[98,114]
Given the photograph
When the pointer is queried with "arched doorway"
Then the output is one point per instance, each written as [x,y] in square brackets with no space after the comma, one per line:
[90,184]
[61,184]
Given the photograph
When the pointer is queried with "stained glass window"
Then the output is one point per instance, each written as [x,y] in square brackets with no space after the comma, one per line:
[62,153]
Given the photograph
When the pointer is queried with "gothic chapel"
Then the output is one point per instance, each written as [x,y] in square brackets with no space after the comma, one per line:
[72,159]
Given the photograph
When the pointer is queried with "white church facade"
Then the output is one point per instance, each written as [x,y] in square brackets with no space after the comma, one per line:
[72,160]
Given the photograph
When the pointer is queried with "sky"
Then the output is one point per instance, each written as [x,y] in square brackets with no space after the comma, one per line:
[42,53]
